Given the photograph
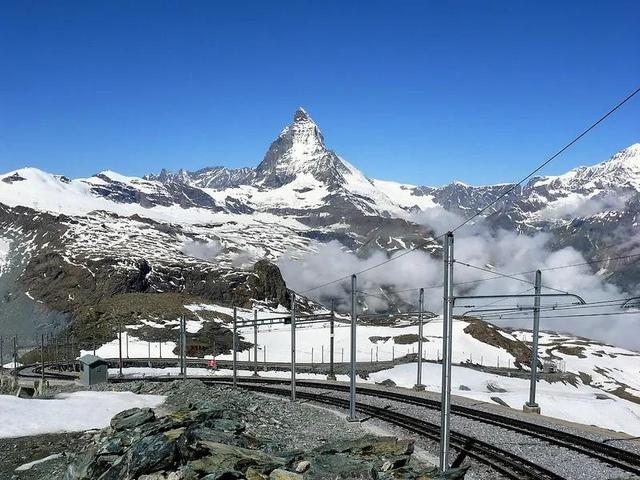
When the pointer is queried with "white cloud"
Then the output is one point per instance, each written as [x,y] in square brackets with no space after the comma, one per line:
[202,250]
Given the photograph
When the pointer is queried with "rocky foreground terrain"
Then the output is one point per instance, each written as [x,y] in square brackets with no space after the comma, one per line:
[216,433]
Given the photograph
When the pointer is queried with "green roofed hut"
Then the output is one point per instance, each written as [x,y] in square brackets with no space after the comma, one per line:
[94,370]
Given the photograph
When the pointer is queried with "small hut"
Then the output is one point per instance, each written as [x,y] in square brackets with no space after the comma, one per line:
[94,370]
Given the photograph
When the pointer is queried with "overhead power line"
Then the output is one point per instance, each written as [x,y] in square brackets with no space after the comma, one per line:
[575,315]
[506,275]
[510,189]
[502,275]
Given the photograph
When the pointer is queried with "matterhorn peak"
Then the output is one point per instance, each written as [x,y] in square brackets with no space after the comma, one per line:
[301,115]
[299,150]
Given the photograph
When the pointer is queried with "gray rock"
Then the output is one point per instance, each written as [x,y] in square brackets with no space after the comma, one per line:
[495,388]
[369,445]
[464,388]
[342,466]
[500,401]
[303,466]
[387,383]
[132,418]
[279,474]
[226,458]
[151,454]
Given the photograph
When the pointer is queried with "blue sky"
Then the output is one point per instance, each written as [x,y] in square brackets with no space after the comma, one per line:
[420,92]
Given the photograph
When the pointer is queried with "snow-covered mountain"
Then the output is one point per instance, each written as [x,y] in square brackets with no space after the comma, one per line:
[301,195]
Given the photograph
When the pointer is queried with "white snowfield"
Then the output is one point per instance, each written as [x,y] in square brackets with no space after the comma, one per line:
[4,253]
[564,401]
[67,412]
[609,368]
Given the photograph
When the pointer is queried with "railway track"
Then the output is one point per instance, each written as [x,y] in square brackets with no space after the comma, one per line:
[501,461]
[616,457]
[607,454]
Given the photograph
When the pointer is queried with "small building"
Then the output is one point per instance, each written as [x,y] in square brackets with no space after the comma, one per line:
[94,370]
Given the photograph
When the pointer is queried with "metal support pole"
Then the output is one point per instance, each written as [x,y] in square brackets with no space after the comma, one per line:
[126,333]
[160,348]
[531,406]
[120,348]
[149,354]
[1,354]
[322,353]
[311,356]
[447,327]
[255,343]
[352,386]
[184,347]
[15,357]
[293,347]
[234,344]
[42,361]
[419,385]
[332,336]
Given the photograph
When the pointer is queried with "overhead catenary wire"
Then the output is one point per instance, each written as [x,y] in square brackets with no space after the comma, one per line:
[506,275]
[510,189]
[575,315]
[495,277]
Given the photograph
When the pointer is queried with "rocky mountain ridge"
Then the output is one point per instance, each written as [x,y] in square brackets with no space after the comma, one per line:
[158,230]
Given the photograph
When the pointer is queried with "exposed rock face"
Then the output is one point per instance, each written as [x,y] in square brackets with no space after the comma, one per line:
[486,333]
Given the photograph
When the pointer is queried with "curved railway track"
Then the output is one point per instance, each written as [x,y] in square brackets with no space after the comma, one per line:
[616,457]
[504,462]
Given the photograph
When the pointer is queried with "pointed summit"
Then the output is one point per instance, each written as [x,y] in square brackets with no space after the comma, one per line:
[300,149]
[301,115]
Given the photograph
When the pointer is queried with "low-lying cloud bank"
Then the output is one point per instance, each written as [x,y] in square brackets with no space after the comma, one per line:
[506,252]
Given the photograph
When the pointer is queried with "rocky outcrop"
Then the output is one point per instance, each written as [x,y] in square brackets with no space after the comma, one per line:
[214,440]
[488,334]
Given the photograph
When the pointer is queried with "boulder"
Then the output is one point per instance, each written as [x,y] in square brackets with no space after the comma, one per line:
[341,465]
[495,388]
[387,383]
[151,454]
[132,418]
[303,466]
[500,401]
[226,458]
[369,445]
[279,474]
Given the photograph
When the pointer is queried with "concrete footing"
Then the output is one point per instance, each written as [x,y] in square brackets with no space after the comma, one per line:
[526,408]
[331,377]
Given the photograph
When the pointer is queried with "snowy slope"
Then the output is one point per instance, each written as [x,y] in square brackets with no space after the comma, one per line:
[21,417]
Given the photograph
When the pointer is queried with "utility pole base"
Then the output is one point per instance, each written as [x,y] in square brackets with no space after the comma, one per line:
[527,408]
[331,377]
[255,374]
[419,388]
[353,419]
